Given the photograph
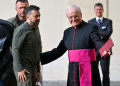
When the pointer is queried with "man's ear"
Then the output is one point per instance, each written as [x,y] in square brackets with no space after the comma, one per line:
[27,17]
[16,9]
[81,14]
[103,10]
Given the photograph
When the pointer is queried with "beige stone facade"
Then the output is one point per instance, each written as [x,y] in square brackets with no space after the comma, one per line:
[54,22]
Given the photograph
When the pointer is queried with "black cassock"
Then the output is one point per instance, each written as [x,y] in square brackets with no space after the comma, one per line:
[84,36]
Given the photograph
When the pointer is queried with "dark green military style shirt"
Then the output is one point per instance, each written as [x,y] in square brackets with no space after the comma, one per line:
[26,47]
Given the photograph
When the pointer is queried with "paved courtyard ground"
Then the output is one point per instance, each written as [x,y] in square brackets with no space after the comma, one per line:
[63,83]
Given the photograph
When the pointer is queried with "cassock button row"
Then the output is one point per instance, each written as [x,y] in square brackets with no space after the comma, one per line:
[75,80]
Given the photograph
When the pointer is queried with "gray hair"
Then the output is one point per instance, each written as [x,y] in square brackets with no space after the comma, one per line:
[71,7]
[98,4]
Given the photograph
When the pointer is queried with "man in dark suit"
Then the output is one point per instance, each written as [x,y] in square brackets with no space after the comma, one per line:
[6,59]
[105,30]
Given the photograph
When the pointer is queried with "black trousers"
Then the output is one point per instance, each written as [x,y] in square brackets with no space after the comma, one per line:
[104,63]
[9,78]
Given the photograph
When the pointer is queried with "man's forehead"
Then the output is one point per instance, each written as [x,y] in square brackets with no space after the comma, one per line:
[98,7]
[35,12]
[25,4]
[72,11]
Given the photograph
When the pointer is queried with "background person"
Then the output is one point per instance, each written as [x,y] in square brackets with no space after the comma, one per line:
[105,30]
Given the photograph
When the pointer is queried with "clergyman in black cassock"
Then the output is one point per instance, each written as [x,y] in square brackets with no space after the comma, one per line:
[80,37]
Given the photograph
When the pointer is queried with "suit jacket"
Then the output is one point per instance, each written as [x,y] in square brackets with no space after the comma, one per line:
[105,30]
[6,31]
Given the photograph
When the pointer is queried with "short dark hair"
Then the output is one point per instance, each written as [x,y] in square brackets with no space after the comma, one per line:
[21,1]
[30,8]
[98,4]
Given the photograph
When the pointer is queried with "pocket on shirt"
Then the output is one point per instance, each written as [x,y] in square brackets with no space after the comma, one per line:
[103,28]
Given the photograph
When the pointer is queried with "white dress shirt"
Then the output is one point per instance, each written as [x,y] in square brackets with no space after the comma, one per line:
[101,19]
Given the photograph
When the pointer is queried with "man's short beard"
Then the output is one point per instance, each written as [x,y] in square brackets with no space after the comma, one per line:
[33,23]
[22,16]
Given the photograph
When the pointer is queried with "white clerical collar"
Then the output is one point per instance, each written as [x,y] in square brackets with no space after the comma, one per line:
[101,18]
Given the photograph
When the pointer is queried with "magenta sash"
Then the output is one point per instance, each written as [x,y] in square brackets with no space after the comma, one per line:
[84,58]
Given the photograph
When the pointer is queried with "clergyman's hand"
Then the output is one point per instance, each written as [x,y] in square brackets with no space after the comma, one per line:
[21,75]
[106,53]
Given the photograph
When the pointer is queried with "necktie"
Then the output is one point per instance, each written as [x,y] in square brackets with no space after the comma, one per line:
[99,21]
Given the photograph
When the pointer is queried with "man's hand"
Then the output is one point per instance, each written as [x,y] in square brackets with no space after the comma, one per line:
[106,53]
[38,77]
[22,76]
